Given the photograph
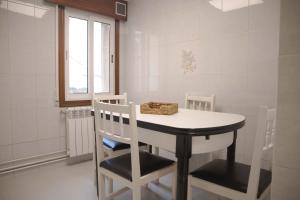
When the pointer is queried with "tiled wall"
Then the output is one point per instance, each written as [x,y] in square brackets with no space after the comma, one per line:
[286,176]
[30,122]
[172,47]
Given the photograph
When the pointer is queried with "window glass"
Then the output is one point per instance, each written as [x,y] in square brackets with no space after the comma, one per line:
[78,56]
[101,57]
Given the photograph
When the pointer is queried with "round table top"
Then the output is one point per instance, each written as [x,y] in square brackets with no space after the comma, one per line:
[194,120]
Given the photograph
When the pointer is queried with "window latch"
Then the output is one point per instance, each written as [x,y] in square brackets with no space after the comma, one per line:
[112,58]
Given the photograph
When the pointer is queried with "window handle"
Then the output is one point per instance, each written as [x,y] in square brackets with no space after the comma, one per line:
[112,58]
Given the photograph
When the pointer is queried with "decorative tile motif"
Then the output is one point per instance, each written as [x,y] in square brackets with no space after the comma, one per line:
[188,61]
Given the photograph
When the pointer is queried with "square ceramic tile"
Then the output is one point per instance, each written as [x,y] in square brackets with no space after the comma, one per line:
[264,15]
[234,54]
[5,92]
[25,127]
[45,41]
[263,45]
[285,183]
[5,127]
[289,16]
[5,65]
[21,38]
[45,85]
[23,87]
[288,84]
[49,146]
[286,150]
[48,123]
[5,153]
[25,150]
[63,143]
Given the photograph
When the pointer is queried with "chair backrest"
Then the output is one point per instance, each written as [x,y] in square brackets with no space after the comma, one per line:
[264,140]
[206,103]
[113,99]
[109,123]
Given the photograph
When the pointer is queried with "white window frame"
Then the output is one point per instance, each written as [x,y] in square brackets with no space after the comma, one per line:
[91,18]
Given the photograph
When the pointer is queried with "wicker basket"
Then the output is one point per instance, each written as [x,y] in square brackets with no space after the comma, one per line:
[159,108]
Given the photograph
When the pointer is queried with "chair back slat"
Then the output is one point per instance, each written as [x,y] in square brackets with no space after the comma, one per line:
[112,99]
[205,103]
[270,129]
[263,141]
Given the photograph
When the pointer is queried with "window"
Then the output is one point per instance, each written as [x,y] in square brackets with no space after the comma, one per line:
[89,55]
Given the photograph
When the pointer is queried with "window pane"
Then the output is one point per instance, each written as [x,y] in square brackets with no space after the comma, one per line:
[101,57]
[78,59]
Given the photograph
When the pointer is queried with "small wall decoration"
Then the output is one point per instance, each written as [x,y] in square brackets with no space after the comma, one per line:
[188,61]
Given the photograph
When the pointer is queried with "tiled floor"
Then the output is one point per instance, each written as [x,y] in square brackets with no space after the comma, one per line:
[60,181]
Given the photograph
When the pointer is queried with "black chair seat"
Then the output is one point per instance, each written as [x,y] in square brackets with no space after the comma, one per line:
[115,146]
[234,176]
[121,165]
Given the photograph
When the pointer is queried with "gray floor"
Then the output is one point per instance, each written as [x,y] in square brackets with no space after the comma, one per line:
[60,181]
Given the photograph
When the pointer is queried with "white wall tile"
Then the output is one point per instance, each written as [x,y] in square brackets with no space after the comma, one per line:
[5,153]
[289,85]
[262,46]
[285,184]
[4,69]
[45,91]
[49,146]
[290,31]
[62,143]
[286,151]
[23,91]
[21,38]
[25,150]
[48,123]
[5,92]
[5,127]
[45,40]
[24,127]
[264,16]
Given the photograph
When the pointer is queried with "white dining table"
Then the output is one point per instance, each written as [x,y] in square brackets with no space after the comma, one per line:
[189,132]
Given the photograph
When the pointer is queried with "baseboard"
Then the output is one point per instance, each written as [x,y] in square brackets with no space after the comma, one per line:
[79,159]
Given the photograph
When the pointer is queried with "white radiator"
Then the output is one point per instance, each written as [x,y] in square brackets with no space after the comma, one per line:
[80,131]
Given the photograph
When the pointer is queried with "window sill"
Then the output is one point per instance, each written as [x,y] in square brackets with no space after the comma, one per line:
[63,104]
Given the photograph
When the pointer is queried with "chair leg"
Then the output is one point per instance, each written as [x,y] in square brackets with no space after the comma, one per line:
[174,183]
[156,152]
[110,186]
[136,193]
[101,183]
[189,190]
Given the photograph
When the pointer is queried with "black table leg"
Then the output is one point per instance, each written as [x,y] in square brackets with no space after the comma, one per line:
[231,149]
[183,154]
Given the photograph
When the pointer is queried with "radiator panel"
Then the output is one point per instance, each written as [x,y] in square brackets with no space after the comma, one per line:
[80,131]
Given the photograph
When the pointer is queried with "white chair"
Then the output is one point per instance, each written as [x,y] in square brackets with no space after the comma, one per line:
[205,103]
[236,180]
[133,173]
[114,148]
